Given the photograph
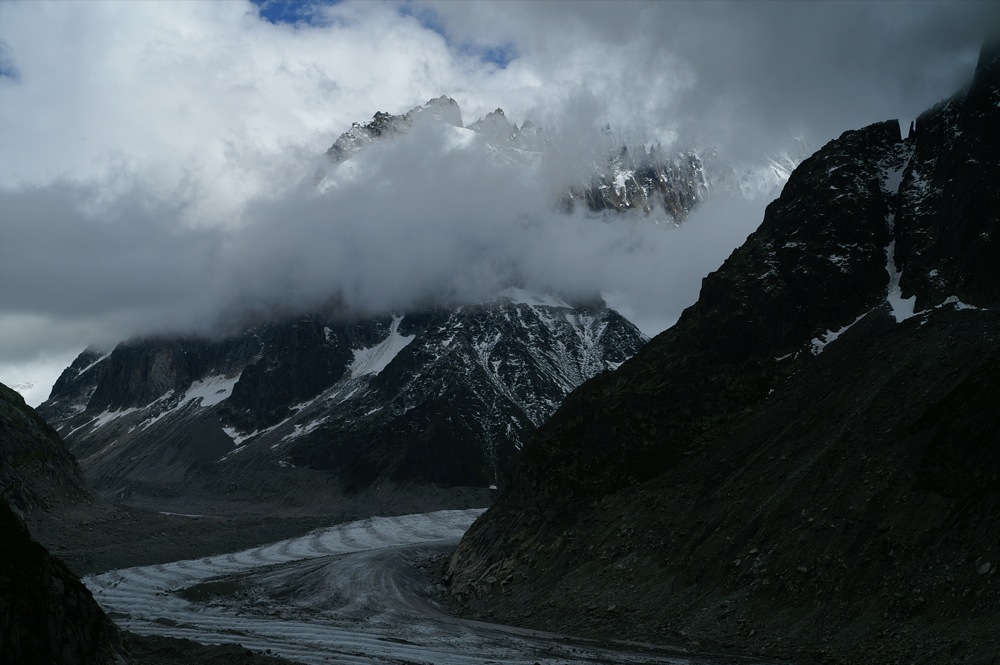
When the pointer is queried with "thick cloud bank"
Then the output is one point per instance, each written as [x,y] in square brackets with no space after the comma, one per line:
[407,223]
[157,158]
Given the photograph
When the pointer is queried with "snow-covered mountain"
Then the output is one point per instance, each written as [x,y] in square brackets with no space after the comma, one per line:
[644,176]
[441,396]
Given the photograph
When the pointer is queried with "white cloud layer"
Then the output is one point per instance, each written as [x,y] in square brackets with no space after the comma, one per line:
[156,158]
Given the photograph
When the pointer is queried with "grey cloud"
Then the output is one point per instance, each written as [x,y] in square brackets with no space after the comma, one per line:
[759,71]
[101,261]
[419,223]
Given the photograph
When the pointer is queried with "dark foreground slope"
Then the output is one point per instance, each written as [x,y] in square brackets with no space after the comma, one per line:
[36,469]
[807,465]
[47,615]
[43,484]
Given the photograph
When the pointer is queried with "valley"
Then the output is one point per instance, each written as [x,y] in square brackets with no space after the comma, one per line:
[359,592]
[397,407]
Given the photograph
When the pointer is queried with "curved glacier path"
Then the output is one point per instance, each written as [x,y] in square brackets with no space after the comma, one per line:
[351,593]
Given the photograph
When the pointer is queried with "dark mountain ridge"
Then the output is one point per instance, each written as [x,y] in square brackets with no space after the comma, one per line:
[806,465]
[440,397]
[47,614]
[36,470]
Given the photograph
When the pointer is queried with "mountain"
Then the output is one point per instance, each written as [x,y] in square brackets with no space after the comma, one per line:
[630,174]
[384,125]
[806,465]
[37,472]
[46,613]
[306,408]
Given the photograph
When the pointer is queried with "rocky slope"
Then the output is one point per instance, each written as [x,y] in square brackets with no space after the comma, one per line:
[323,406]
[47,615]
[37,473]
[806,464]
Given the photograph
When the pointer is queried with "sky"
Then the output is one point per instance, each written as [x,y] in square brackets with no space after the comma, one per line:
[158,160]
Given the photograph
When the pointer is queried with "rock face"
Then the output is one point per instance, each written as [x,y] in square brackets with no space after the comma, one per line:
[438,397]
[649,179]
[384,125]
[47,615]
[37,472]
[806,465]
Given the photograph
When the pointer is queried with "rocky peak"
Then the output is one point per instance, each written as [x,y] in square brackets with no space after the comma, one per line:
[631,177]
[495,127]
[946,230]
[443,395]
[443,109]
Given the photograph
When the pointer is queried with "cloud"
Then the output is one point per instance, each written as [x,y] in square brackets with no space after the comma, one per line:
[156,158]
[423,219]
[744,75]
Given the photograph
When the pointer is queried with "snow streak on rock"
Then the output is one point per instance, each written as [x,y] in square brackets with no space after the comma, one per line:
[902,308]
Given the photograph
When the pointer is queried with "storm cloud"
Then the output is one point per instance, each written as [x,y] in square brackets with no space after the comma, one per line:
[158,160]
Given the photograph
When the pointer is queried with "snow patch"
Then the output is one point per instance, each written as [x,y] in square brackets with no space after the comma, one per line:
[93,364]
[163,512]
[374,359]
[621,178]
[211,390]
[301,430]
[841,261]
[820,343]
[108,416]
[238,438]
[902,308]
[953,300]
[893,178]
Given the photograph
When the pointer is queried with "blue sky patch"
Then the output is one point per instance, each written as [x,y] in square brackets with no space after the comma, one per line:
[293,12]
[427,18]
[500,55]
[8,68]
